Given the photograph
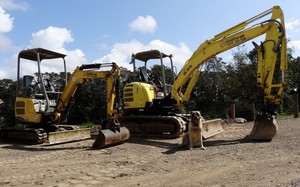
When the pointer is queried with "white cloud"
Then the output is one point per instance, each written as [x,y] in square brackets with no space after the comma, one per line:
[3,74]
[6,22]
[181,52]
[142,24]
[121,52]
[55,38]
[292,25]
[75,58]
[5,43]
[6,25]
[12,5]
[8,66]
[52,38]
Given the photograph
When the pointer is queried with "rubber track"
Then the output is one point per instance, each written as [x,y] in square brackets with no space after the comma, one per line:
[154,126]
[23,135]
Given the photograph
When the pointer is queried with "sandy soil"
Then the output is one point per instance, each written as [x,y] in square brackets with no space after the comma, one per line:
[227,161]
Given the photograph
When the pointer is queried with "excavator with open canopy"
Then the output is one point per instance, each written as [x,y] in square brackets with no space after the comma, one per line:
[42,111]
[151,106]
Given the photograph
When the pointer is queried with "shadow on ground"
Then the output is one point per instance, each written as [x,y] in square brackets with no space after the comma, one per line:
[172,148]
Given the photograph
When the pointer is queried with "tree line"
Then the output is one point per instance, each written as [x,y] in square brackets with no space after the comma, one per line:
[220,84]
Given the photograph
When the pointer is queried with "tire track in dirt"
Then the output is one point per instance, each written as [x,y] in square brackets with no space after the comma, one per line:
[68,174]
[52,155]
[144,162]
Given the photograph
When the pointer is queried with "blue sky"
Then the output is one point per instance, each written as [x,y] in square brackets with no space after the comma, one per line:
[104,31]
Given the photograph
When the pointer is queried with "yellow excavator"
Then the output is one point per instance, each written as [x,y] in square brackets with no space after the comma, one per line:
[42,110]
[151,106]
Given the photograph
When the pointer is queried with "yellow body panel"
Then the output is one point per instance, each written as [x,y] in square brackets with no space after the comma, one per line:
[137,94]
[26,112]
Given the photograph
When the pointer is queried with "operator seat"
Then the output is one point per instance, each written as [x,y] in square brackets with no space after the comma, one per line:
[144,75]
[48,85]
[27,89]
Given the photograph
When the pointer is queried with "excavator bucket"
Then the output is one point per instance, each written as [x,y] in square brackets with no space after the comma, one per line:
[107,137]
[264,129]
[68,136]
[211,128]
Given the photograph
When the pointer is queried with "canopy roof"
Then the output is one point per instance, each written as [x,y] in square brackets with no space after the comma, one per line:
[31,54]
[147,55]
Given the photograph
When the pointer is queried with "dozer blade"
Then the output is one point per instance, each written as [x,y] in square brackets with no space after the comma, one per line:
[211,128]
[69,136]
[264,129]
[107,138]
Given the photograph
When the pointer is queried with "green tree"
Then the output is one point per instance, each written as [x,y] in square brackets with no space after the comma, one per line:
[156,72]
[209,93]
[7,98]
[244,88]
[90,103]
[293,82]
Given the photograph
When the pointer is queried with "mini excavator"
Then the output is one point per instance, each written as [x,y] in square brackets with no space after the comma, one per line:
[42,110]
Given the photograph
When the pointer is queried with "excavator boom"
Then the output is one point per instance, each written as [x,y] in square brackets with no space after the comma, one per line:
[274,46]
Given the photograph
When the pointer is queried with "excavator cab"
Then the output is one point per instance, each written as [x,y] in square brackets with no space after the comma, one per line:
[36,97]
[149,109]
[36,101]
[159,81]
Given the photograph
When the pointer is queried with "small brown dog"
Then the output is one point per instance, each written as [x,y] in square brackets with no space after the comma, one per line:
[193,138]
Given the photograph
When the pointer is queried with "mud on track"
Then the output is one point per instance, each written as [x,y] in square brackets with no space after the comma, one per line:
[227,161]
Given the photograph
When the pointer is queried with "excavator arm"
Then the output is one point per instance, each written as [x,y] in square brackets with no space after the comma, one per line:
[83,74]
[111,131]
[270,52]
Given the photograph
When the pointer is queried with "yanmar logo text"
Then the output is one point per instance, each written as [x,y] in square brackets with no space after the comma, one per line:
[232,41]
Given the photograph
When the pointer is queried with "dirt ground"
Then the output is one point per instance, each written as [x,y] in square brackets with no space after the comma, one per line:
[227,161]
